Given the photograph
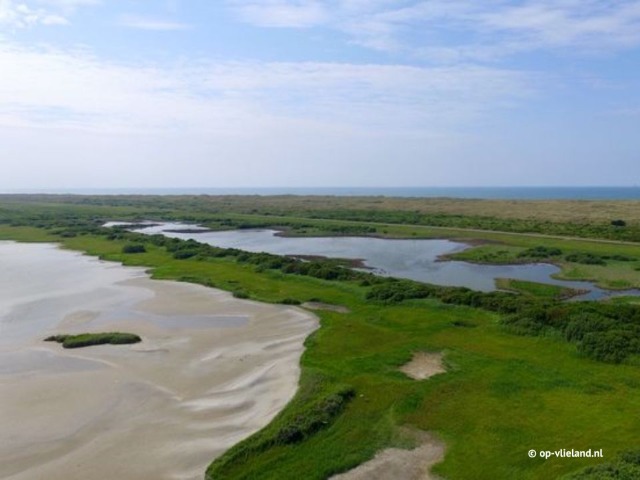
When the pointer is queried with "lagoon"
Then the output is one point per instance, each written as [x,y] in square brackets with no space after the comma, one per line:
[417,259]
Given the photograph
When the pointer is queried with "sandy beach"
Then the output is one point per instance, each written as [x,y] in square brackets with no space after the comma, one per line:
[211,369]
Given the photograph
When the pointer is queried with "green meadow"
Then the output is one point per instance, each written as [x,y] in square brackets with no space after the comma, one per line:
[503,394]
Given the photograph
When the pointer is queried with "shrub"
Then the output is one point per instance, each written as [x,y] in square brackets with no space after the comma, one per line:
[395,291]
[316,417]
[134,248]
[585,258]
[612,346]
[540,252]
[619,258]
[290,301]
[184,254]
[627,467]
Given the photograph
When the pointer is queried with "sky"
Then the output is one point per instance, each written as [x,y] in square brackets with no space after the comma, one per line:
[310,93]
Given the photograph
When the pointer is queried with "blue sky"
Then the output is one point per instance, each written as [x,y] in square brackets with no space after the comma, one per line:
[231,93]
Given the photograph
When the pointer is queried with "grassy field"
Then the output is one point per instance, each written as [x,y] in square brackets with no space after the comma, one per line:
[577,211]
[612,274]
[541,290]
[502,396]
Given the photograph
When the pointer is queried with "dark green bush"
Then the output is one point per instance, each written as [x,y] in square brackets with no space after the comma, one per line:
[290,301]
[585,258]
[626,467]
[184,254]
[134,248]
[611,346]
[318,416]
[540,252]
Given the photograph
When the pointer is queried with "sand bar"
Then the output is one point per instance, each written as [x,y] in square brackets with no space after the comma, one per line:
[210,371]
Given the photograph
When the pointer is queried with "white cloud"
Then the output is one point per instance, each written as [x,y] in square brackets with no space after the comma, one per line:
[53,88]
[282,13]
[69,116]
[67,6]
[146,23]
[585,25]
[489,29]
[20,15]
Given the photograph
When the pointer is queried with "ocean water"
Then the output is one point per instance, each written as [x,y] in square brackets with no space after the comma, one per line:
[523,193]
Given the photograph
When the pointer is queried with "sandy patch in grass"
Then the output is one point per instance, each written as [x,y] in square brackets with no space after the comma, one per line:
[210,371]
[325,306]
[399,464]
[424,365]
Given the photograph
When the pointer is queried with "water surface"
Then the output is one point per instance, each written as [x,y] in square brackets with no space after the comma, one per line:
[413,259]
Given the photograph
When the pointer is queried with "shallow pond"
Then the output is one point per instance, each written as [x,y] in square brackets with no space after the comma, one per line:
[413,259]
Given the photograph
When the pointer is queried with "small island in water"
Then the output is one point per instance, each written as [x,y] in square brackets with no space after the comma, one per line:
[90,339]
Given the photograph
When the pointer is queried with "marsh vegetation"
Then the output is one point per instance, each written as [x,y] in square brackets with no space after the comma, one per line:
[90,339]
[524,369]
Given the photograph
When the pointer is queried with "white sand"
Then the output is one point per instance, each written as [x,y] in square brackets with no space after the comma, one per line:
[398,464]
[424,365]
[210,371]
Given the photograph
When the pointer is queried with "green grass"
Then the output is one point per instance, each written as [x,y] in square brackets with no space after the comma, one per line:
[542,290]
[26,234]
[614,275]
[502,395]
[91,339]
[624,300]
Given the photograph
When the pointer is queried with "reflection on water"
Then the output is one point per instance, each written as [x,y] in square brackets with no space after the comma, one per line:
[43,288]
[413,259]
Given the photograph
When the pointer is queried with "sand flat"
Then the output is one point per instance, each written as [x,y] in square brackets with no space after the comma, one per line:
[400,464]
[160,409]
[424,365]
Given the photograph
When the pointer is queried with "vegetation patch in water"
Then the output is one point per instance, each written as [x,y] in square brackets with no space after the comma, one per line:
[90,339]
[542,290]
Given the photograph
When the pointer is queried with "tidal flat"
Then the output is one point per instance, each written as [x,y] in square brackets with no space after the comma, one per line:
[210,370]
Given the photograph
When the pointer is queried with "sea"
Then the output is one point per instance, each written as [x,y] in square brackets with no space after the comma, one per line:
[516,193]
